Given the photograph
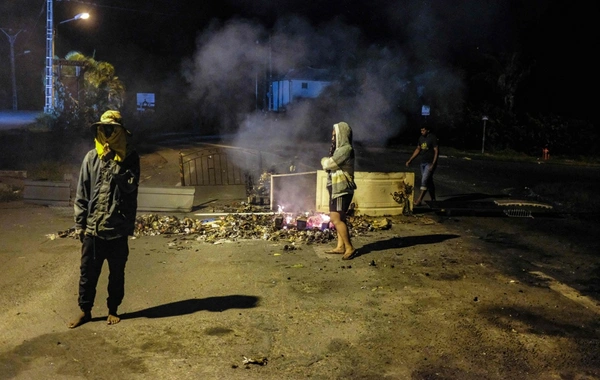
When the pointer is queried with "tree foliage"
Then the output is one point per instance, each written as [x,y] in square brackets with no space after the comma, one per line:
[494,91]
[85,89]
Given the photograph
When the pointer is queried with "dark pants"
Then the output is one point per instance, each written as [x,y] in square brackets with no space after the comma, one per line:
[340,204]
[93,253]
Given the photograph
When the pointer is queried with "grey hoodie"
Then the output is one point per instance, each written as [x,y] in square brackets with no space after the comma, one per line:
[340,166]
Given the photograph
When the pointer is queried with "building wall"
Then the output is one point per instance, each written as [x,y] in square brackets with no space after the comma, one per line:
[285,92]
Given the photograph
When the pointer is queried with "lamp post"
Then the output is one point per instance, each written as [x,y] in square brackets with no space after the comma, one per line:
[49,82]
[11,39]
[484,118]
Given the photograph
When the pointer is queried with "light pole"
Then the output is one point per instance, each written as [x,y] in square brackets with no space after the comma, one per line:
[11,39]
[49,82]
[484,118]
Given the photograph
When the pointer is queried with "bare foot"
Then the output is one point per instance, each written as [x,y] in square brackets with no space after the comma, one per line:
[336,251]
[113,319]
[349,255]
[82,318]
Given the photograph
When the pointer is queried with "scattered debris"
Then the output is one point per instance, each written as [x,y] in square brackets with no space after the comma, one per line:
[402,197]
[249,226]
[260,361]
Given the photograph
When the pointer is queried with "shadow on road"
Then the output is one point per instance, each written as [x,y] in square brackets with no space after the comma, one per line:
[404,242]
[193,305]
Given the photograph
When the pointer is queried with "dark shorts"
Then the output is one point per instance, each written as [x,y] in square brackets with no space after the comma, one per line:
[340,204]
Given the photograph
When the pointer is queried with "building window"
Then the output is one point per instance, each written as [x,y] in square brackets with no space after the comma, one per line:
[304,85]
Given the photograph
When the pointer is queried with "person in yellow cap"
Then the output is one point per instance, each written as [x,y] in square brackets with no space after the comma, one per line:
[105,210]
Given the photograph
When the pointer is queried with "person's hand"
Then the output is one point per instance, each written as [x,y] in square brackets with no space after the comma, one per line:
[109,154]
[80,233]
[408,163]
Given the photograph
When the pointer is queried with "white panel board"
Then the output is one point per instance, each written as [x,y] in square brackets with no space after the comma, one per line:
[294,192]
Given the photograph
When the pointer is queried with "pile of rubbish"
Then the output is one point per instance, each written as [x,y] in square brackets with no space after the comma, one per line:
[301,229]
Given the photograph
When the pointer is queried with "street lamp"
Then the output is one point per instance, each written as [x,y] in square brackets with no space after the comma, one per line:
[83,16]
[484,118]
[11,39]
[49,83]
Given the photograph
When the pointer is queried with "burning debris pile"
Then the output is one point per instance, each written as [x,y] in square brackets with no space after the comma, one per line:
[230,227]
[283,227]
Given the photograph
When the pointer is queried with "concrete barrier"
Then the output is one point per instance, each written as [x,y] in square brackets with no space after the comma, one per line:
[373,196]
[166,199]
[13,173]
[51,193]
[58,193]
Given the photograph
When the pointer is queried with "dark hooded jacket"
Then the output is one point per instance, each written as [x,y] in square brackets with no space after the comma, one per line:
[106,199]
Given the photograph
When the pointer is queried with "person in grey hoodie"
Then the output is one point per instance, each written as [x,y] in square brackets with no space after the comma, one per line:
[340,184]
[105,210]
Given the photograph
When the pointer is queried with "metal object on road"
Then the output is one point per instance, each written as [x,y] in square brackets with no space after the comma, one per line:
[518,213]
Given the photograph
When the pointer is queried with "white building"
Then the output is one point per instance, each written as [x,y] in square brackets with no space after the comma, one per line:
[297,84]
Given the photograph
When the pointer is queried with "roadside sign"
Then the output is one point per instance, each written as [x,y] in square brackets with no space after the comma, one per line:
[145,101]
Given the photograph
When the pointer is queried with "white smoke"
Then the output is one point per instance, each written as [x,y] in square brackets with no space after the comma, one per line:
[377,84]
[236,58]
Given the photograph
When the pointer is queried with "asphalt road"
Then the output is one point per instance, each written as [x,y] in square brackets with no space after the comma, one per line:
[17,119]
[435,296]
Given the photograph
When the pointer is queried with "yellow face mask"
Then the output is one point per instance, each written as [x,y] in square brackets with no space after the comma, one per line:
[117,141]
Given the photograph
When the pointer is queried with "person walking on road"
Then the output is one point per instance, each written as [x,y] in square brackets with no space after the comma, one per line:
[340,185]
[105,211]
[428,149]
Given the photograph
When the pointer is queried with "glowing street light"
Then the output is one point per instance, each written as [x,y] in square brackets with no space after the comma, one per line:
[49,82]
[83,16]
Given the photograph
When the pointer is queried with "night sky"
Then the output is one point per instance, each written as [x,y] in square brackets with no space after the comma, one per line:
[216,47]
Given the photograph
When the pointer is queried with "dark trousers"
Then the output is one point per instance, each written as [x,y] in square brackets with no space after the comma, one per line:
[93,253]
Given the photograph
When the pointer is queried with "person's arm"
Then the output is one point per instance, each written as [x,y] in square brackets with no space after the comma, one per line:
[329,164]
[436,153]
[82,197]
[415,154]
